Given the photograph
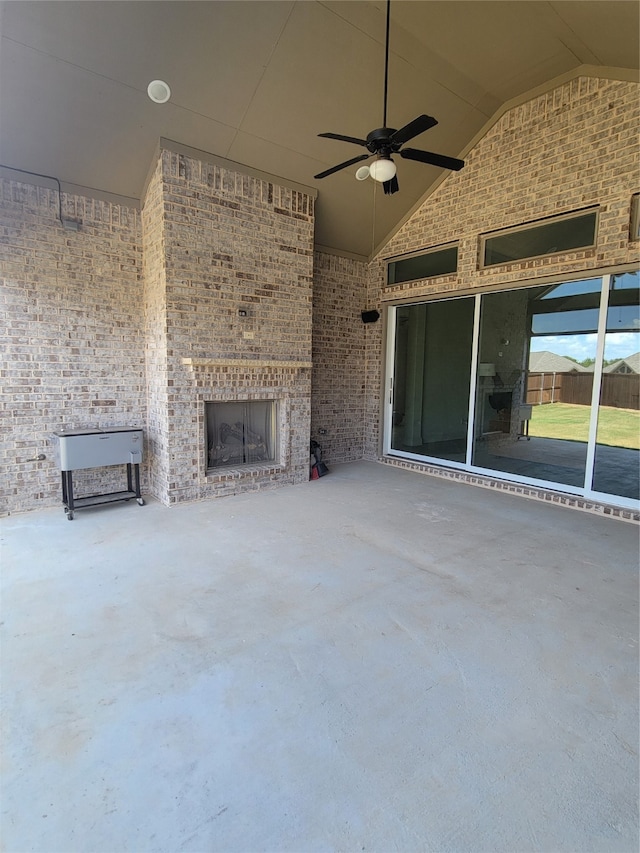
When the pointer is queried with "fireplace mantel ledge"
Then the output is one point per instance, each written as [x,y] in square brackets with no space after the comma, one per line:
[243,362]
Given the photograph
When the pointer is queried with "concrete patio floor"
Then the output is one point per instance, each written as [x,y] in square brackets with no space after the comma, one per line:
[374,661]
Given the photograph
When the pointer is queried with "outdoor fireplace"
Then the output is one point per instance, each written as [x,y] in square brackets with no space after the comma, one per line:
[251,430]
[239,433]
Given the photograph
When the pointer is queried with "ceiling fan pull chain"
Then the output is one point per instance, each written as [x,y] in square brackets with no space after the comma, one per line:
[373,220]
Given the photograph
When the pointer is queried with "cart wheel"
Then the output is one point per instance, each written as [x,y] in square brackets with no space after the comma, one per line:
[140,501]
[69,516]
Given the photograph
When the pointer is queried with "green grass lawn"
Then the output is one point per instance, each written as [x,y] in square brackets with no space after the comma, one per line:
[616,427]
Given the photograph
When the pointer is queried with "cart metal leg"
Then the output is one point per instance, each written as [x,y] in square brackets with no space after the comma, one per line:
[133,471]
[139,497]
[67,494]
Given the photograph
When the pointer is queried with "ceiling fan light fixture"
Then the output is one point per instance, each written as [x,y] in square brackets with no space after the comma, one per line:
[362,173]
[382,170]
[159,91]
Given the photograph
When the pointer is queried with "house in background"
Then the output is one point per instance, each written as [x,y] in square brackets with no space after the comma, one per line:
[550,362]
[227,277]
[630,364]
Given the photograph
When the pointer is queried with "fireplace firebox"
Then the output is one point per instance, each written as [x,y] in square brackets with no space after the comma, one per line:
[242,432]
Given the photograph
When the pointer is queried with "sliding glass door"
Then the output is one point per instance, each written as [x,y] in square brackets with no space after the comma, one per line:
[432,376]
[617,450]
[539,385]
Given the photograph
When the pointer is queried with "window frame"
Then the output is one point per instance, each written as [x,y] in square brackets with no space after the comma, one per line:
[452,244]
[634,224]
[531,225]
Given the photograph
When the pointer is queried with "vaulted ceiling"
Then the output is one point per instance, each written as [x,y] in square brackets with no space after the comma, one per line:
[255,82]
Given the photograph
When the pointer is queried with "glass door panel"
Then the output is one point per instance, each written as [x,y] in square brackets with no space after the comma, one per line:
[617,452]
[432,370]
[533,398]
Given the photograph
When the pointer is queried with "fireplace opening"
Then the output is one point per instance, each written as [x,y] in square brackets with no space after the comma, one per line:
[242,432]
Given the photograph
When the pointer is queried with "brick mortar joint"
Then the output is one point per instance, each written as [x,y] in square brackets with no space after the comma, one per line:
[259,364]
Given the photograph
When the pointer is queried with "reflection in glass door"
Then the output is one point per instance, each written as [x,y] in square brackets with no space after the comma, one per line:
[432,374]
[533,395]
[617,451]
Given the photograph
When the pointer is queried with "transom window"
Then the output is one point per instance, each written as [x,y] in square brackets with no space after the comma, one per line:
[442,260]
[551,236]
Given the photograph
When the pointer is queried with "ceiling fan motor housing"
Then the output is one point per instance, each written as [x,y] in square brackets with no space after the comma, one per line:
[379,141]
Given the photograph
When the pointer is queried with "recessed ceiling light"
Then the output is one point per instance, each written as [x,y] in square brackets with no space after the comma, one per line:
[159,91]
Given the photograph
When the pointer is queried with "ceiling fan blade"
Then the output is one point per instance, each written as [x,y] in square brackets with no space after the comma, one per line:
[342,138]
[342,166]
[391,187]
[433,159]
[414,128]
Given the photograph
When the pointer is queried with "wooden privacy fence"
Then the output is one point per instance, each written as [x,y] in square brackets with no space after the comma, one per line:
[620,390]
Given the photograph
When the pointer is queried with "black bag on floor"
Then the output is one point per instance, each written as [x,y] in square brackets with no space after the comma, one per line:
[318,468]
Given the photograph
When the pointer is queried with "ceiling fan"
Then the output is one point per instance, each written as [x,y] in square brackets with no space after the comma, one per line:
[385,141]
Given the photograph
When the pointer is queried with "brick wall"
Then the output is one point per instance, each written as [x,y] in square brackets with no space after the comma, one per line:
[339,347]
[155,334]
[72,342]
[146,307]
[570,148]
[231,243]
